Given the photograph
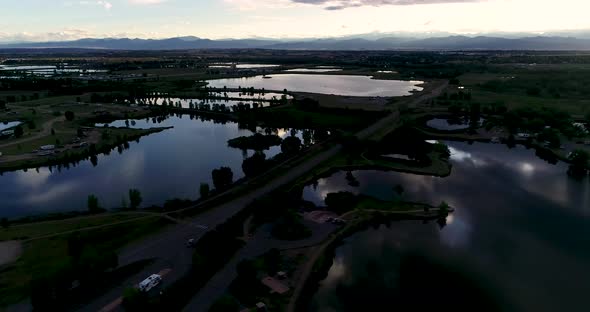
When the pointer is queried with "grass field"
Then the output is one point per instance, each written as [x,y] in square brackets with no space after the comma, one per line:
[44,256]
[38,229]
[558,86]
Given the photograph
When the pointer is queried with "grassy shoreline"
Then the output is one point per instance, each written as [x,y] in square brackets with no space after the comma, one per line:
[120,136]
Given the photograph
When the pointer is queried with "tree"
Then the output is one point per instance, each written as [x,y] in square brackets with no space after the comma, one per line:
[133,299]
[69,115]
[225,304]
[204,190]
[341,202]
[254,165]
[272,260]
[291,145]
[2,104]
[399,189]
[134,198]
[18,131]
[4,223]
[579,158]
[93,205]
[222,177]
[443,209]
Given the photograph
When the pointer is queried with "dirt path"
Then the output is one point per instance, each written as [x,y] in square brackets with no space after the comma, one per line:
[9,251]
[45,131]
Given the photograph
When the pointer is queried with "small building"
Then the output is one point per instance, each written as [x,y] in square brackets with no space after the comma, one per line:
[275,285]
[261,307]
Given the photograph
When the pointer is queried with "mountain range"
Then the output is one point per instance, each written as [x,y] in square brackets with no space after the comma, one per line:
[549,43]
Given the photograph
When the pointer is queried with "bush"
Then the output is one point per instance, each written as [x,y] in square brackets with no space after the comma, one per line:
[222,178]
[257,142]
[341,202]
[204,190]
[134,198]
[69,115]
[291,145]
[290,227]
[225,304]
[93,205]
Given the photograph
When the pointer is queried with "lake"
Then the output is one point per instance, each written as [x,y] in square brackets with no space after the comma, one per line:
[49,70]
[242,66]
[314,70]
[346,85]
[162,166]
[8,125]
[521,229]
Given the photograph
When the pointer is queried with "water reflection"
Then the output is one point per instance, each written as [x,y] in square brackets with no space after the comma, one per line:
[346,85]
[162,166]
[521,226]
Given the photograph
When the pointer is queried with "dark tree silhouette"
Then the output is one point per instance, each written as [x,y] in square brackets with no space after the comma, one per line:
[291,145]
[222,178]
[69,115]
[93,205]
[134,198]
[204,190]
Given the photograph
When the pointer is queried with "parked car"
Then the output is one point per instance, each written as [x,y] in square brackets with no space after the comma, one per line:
[191,243]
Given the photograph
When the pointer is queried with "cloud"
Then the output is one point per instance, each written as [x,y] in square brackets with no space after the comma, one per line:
[146,1]
[105,4]
[343,4]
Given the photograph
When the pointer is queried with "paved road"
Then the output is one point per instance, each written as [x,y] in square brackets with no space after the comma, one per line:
[45,131]
[261,243]
[168,247]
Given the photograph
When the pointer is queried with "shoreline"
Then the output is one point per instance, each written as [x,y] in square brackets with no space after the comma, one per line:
[67,157]
[316,269]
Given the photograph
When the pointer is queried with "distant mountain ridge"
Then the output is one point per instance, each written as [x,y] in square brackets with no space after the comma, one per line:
[549,43]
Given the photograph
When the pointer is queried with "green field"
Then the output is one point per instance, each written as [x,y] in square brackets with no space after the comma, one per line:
[44,257]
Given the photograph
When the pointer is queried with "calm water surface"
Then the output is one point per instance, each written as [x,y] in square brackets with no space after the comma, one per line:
[346,85]
[162,166]
[521,228]
[314,70]
[8,125]
[450,124]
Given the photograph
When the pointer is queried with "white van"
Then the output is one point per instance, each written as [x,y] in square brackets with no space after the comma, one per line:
[150,282]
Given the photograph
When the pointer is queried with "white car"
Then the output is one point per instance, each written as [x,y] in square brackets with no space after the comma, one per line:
[147,284]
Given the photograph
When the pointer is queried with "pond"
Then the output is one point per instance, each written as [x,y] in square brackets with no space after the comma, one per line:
[346,85]
[521,228]
[451,124]
[8,125]
[314,70]
[162,166]
[242,66]
[49,70]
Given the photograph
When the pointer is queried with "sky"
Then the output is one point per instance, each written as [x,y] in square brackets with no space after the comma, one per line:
[48,20]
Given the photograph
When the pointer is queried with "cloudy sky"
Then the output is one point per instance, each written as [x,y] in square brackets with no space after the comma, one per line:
[39,20]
